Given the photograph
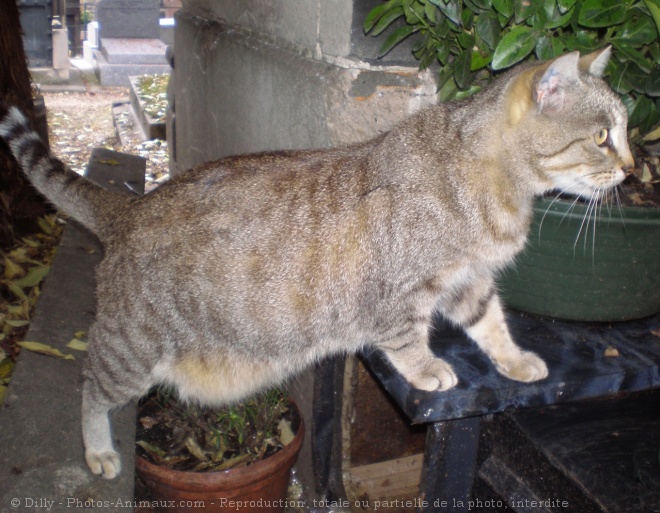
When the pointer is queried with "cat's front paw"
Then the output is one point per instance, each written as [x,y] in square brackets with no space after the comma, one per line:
[436,376]
[525,367]
[106,463]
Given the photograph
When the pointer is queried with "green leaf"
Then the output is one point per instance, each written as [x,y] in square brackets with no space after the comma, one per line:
[467,18]
[396,37]
[480,60]
[549,47]
[654,8]
[653,83]
[637,31]
[462,69]
[583,42]
[638,109]
[387,19]
[466,40]
[602,13]
[651,121]
[514,47]
[448,91]
[566,5]
[504,7]
[431,12]
[526,9]
[377,12]
[414,12]
[451,10]
[556,18]
[478,6]
[625,52]
[488,29]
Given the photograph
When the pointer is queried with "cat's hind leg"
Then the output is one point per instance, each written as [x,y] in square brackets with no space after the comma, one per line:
[410,355]
[112,378]
[100,454]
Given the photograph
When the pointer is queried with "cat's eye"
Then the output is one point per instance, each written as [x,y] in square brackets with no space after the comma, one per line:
[602,137]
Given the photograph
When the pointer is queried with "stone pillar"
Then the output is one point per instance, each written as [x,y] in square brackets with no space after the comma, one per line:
[61,53]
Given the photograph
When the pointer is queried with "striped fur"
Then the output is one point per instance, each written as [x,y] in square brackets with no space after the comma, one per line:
[68,191]
[241,272]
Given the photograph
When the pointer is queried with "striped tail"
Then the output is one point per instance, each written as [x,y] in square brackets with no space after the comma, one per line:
[85,201]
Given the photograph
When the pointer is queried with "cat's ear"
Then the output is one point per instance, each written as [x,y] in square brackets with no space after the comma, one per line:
[550,89]
[595,62]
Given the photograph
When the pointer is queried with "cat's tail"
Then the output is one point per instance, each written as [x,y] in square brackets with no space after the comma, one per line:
[85,201]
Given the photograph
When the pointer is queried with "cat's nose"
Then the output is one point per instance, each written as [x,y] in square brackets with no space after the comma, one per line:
[628,169]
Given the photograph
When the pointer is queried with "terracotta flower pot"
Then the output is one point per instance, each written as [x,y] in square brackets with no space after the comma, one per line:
[261,486]
[612,275]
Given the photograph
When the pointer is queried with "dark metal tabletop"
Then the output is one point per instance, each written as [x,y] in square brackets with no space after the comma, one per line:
[578,355]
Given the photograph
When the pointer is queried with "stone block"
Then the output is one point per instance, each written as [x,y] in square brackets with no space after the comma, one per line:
[116,75]
[128,18]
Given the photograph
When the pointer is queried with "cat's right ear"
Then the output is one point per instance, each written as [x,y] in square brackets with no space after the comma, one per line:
[549,90]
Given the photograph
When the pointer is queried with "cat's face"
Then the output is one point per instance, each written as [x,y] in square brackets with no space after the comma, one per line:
[577,127]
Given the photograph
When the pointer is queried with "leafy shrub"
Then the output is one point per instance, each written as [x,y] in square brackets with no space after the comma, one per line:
[473,39]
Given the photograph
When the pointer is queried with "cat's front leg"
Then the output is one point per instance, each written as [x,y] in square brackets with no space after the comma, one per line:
[411,357]
[491,334]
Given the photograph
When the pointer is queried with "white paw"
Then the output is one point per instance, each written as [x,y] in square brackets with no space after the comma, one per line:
[437,375]
[106,463]
[526,367]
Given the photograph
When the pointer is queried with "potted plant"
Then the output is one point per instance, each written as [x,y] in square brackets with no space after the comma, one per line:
[229,458]
[580,263]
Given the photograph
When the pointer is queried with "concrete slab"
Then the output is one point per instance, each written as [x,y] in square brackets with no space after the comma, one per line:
[42,466]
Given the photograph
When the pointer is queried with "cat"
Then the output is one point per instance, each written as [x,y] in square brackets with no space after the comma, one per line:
[241,272]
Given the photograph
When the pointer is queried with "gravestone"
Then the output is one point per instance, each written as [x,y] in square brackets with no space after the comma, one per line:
[129,38]
[129,18]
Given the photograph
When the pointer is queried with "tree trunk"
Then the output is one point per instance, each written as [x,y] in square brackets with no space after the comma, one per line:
[20,205]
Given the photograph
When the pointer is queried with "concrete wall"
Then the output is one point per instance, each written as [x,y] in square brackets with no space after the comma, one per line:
[262,74]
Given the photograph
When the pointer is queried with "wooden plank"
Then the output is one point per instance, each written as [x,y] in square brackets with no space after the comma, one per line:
[393,478]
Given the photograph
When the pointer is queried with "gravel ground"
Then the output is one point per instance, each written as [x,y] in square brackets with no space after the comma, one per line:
[80,122]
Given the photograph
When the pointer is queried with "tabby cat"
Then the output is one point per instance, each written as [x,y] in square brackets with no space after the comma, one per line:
[241,272]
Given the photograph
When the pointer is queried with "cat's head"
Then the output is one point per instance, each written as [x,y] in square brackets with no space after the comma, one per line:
[573,125]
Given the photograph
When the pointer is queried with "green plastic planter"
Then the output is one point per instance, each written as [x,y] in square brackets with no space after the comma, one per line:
[568,273]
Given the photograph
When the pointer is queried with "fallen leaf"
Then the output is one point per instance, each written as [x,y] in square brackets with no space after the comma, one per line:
[194,449]
[156,452]
[17,291]
[77,344]
[12,269]
[647,176]
[233,463]
[148,422]
[611,352]
[40,348]
[286,433]
[33,277]
[16,323]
